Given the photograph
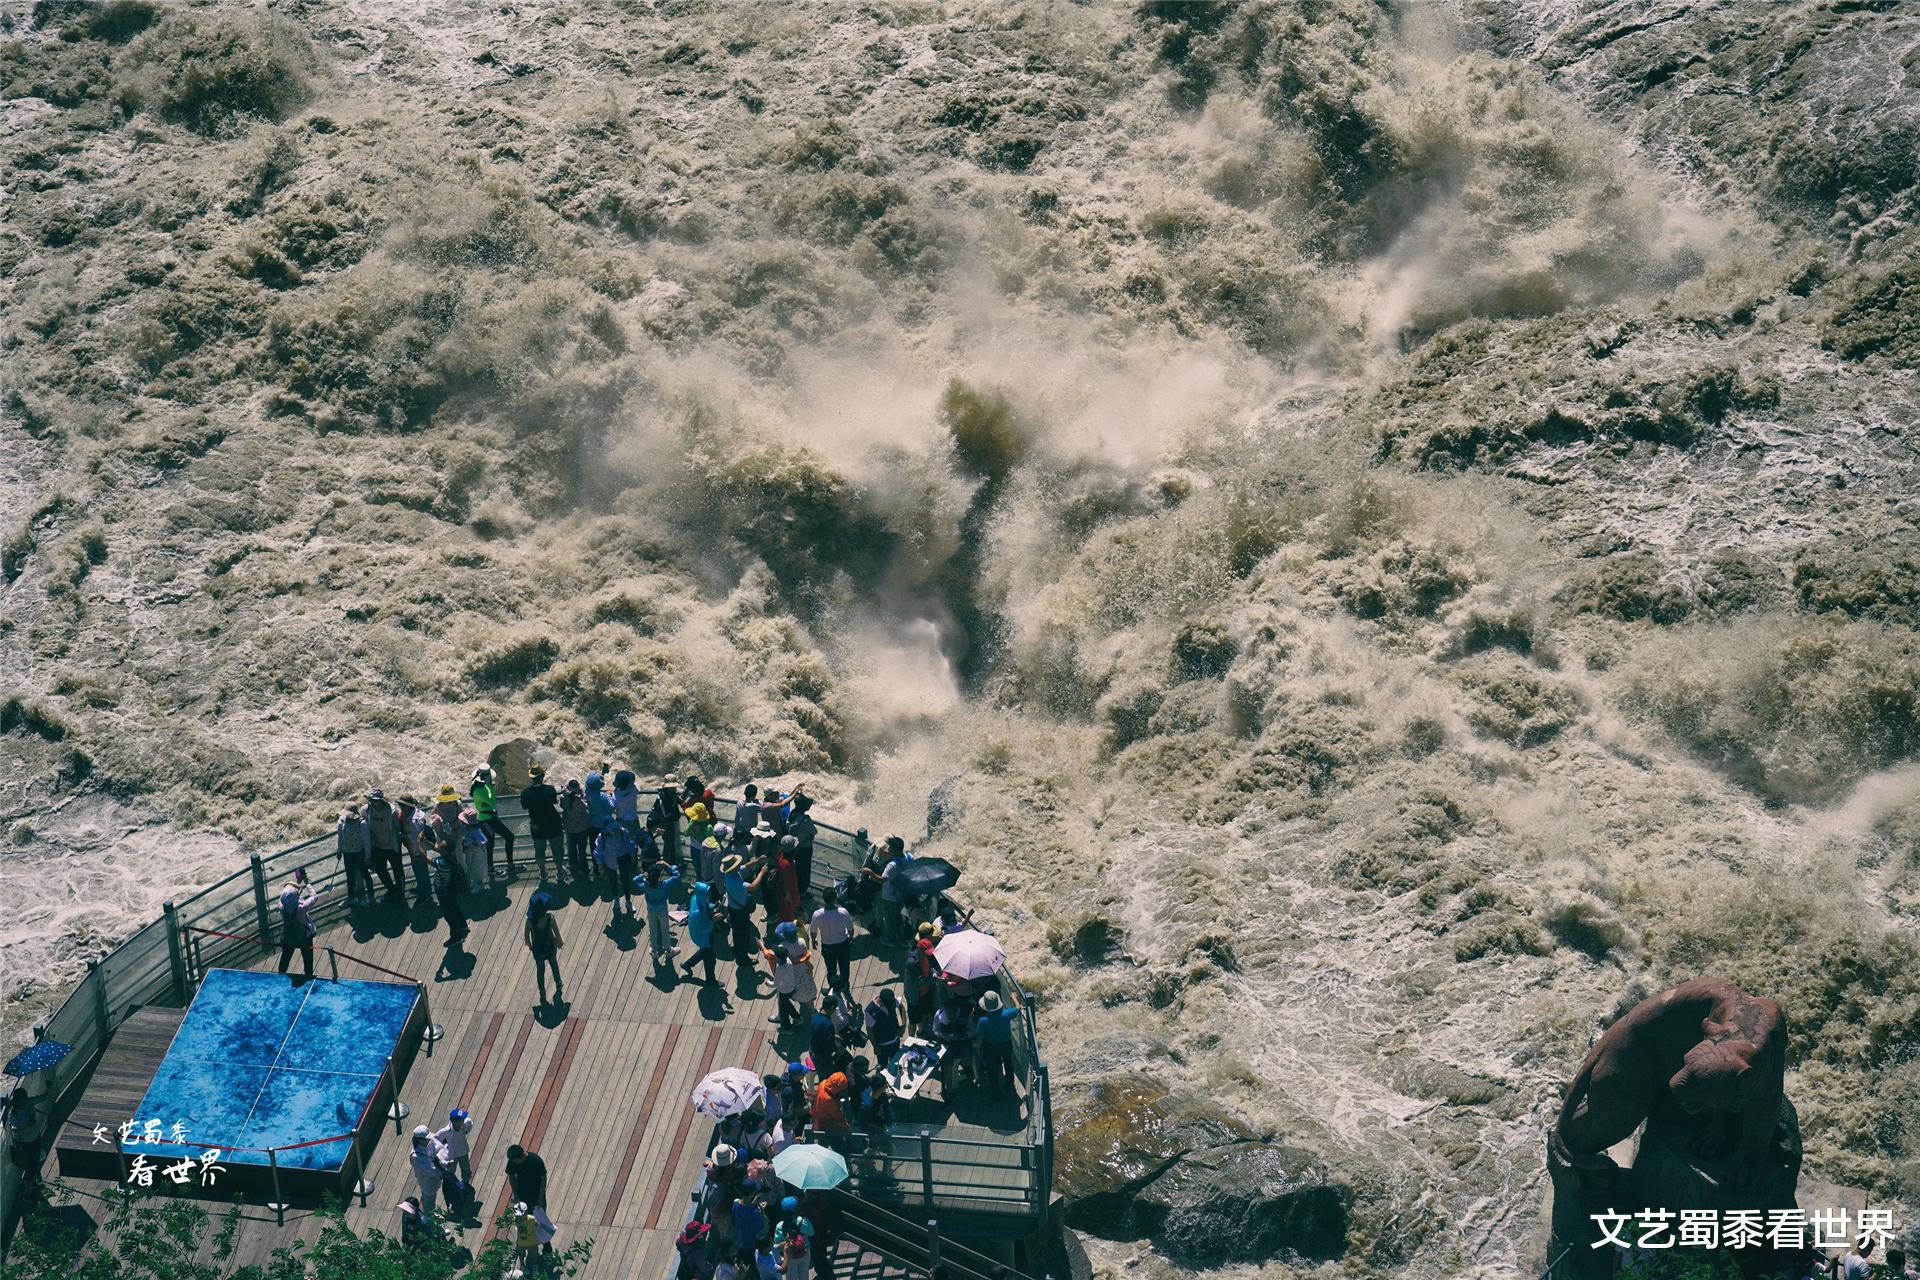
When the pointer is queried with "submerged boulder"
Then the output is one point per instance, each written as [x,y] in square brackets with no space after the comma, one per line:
[1133,1159]
[1245,1203]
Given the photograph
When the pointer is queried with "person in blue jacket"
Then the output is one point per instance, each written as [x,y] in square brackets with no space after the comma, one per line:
[700,926]
[655,887]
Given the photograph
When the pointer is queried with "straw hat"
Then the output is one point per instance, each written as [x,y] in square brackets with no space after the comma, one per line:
[990,1002]
[723,1155]
[729,864]
[763,830]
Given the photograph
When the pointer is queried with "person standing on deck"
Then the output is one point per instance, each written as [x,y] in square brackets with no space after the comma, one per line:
[296,924]
[613,854]
[746,815]
[579,829]
[657,885]
[993,1032]
[483,805]
[449,882]
[626,802]
[476,850]
[411,820]
[456,1141]
[542,805]
[832,929]
[700,928]
[384,838]
[893,903]
[350,842]
[543,940]
[740,890]
[786,985]
[446,808]
[885,1026]
[707,854]
[788,907]
[803,829]
[527,1176]
[429,1170]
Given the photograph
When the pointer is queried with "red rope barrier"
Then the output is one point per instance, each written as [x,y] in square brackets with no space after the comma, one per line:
[344,955]
[378,969]
[215,933]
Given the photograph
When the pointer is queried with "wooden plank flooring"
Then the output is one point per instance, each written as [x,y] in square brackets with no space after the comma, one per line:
[599,1086]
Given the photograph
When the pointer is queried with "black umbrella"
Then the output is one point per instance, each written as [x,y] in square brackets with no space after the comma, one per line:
[925,876]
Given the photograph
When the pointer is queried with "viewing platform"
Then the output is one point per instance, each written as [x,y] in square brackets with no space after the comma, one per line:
[599,1086]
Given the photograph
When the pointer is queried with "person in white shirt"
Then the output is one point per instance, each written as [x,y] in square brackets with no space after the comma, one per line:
[832,929]
[1857,1264]
[428,1168]
[455,1139]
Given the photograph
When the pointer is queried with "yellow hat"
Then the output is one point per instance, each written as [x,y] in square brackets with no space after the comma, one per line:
[448,793]
[697,812]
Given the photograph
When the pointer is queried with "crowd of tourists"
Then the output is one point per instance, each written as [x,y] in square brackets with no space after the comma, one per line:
[741,892]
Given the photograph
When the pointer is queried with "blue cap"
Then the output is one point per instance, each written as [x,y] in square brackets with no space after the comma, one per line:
[796,1068]
[790,1204]
[786,929]
[458,1115]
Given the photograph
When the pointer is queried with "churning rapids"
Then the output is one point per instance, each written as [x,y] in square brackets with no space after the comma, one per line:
[1389,531]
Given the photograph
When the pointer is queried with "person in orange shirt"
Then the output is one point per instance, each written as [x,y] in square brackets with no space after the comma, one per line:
[830,1123]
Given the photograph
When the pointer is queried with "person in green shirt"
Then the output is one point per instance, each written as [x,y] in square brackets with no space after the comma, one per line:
[484,808]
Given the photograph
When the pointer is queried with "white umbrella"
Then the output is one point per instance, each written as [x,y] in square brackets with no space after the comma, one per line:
[728,1092]
[969,954]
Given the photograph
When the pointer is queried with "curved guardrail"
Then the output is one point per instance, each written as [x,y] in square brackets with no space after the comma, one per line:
[226,919]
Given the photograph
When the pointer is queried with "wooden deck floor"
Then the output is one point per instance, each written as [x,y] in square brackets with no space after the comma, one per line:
[598,1087]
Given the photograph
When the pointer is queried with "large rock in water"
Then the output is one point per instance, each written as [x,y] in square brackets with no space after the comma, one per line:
[1244,1203]
[509,763]
[1133,1159]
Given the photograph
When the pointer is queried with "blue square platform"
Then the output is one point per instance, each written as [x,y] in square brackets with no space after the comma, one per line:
[261,1061]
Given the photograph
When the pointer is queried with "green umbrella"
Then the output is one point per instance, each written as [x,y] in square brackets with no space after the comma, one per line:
[809,1167]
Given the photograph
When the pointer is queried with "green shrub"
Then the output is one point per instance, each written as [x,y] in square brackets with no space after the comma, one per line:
[209,71]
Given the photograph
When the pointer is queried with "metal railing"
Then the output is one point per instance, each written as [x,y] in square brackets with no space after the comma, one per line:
[161,963]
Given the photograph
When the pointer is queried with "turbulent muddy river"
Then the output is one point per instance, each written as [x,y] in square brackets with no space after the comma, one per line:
[1386,531]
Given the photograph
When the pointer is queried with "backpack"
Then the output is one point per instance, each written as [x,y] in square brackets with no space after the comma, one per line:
[380,824]
[353,836]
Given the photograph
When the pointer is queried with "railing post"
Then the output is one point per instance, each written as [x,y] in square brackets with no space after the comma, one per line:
[176,954]
[926,1165]
[260,895]
[97,980]
[933,1242]
[279,1205]
[333,964]
[433,1030]
[362,1184]
[398,1111]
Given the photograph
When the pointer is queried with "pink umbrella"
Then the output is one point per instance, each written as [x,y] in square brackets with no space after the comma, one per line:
[969,954]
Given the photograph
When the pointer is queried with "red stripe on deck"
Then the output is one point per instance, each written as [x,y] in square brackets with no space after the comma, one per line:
[544,1101]
[480,1060]
[500,1090]
[672,1161]
[639,1134]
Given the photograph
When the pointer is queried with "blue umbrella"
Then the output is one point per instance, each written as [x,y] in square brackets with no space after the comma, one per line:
[36,1057]
[807,1166]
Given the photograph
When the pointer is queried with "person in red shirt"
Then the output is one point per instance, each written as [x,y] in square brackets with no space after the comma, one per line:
[923,974]
[789,875]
